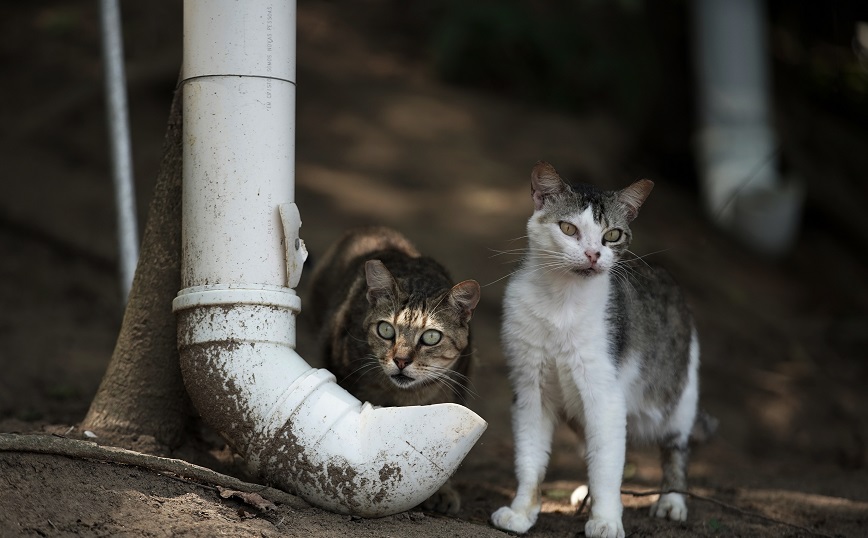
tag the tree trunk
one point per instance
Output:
(142, 395)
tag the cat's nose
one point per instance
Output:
(402, 362)
(592, 256)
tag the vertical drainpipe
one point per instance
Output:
(737, 150)
(119, 140)
(241, 258)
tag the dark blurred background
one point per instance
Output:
(428, 116)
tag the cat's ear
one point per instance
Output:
(465, 296)
(544, 181)
(380, 281)
(634, 196)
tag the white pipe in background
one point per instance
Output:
(242, 255)
(119, 140)
(737, 150)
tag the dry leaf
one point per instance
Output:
(253, 499)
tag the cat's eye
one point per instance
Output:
(431, 337)
(385, 330)
(612, 235)
(568, 228)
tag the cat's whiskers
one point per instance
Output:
(501, 278)
(549, 259)
(434, 310)
(369, 364)
(517, 238)
(546, 269)
(444, 378)
(561, 263)
(630, 271)
(535, 267)
(623, 276)
(524, 251)
(546, 255)
(641, 258)
(365, 368)
(357, 339)
(468, 384)
(510, 252)
(449, 384)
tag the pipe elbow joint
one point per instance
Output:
(354, 458)
(296, 427)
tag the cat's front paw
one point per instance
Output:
(507, 519)
(604, 528)
(670, 505)
(579, 496)
(446, 501)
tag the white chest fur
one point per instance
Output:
(555, 332)
(555, 329)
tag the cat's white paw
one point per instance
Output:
(578, 496)
(507, 519)
(670, 505)
(604, 528)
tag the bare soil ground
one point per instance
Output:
(380, 141)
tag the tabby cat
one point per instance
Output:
(393, 328)
(603, 340)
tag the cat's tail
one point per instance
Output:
(704, 427)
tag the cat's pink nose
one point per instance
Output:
(402, 362)
(592, 256)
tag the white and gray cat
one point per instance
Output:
(605, 342)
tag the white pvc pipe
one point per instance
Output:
(241, 258)
(119, 140)
(737, 150)
(737, 142)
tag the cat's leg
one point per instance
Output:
(446, 500)
(533, 426)
(579, 497)
(605, 427)
(674, 458)
(675, 449)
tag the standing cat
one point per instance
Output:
(607, 343)
(394, 330)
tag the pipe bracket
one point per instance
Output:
(296, 252)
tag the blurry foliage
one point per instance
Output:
(570, 54)
(632, 58)
(62, 392)
(816, 52)
(58, 20)
(629, 58)
(838, 80)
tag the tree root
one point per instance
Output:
(202, 476)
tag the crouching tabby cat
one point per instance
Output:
(393, 328)
(607, 343)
